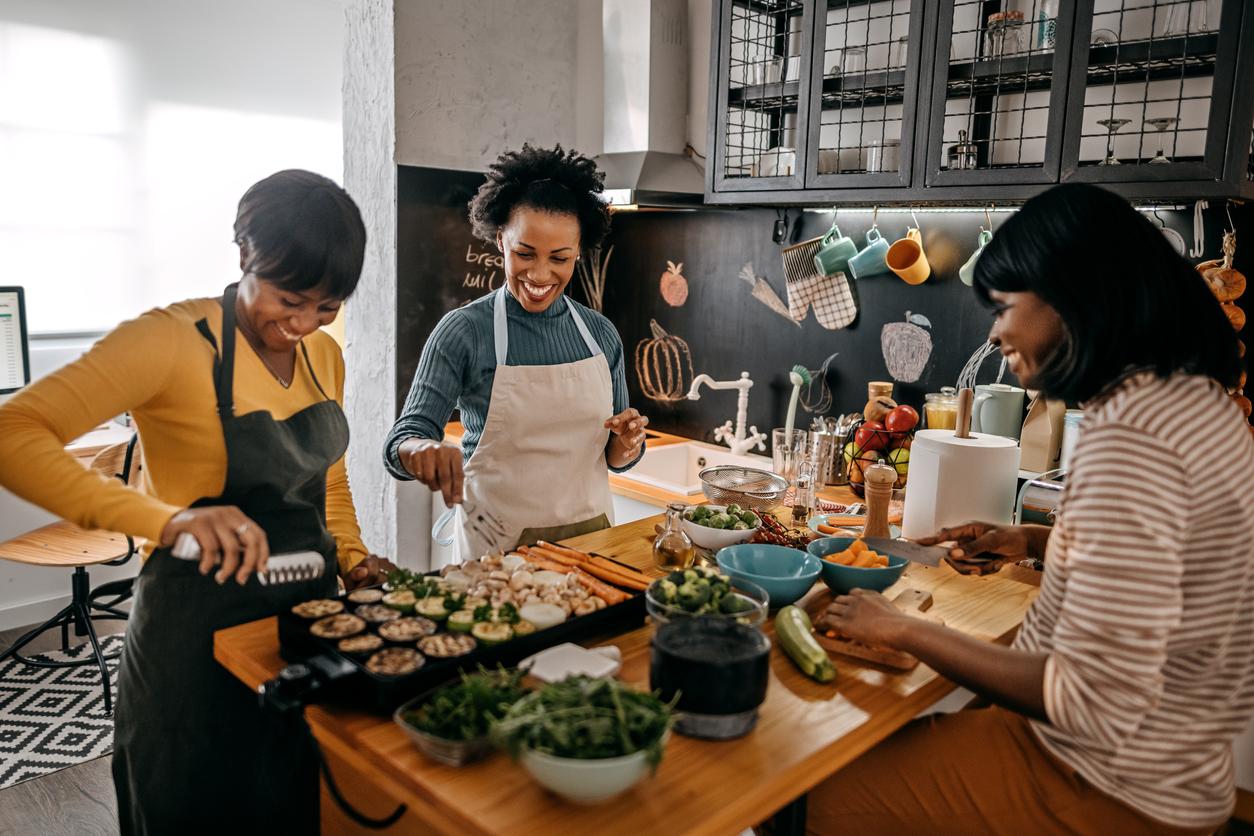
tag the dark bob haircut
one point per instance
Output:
(303, 232)
(547, 179)
(1126, 298)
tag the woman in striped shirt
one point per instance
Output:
(1115, 708)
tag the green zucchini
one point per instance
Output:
(461, 621)
(489, 633)
(796, 639)
(432, 607)
(401, 599)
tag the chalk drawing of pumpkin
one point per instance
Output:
(907, 346)
(674, 285)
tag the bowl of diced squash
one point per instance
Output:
(848, 564)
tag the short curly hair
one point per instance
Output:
(548, 179)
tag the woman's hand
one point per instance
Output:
(436, 465)
(226, 536)
(628, 429)
(370, 571)
(866, 616)
(982, 548)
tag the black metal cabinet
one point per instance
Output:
(843, 101)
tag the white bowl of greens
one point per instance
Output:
(586, 739)
(715, 527)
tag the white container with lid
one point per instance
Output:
(1070, 433)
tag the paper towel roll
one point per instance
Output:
(956, 480)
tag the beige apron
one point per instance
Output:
(539, 470)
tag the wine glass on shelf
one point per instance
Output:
(1161, 124)
(1112, 127)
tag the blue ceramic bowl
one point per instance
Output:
(843, 579)
(786, 574)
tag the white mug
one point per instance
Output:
(998, 410)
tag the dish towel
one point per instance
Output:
(835, 305)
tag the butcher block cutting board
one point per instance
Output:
(913, 602)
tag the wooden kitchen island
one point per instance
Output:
(806, 730)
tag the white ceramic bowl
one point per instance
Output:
(716, 538)
(586, 781)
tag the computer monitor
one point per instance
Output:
(14, 348)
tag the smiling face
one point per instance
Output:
(1027, 331)
(540, 250)
(277, 318)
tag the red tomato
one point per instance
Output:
(902, 419)
(870, 436)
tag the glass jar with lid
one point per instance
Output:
(964, 156)
(940, 409)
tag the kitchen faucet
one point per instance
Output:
(738, 440)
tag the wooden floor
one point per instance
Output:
(77, 800)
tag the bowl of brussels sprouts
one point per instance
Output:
(716, 526)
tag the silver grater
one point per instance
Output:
(280, 568)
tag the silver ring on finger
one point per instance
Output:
(241, 530)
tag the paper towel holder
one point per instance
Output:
(962, 427)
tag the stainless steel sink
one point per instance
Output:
(674, 468)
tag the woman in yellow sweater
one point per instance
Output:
(238, 404)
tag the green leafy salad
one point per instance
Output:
(466, 710)
(732, 518)
(582, 717)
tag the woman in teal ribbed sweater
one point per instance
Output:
(538, 378)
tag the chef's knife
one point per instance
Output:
(280, 568)
(927, 555)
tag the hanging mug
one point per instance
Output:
(834, 253)
(907, 259)
(870, 260)
(967, 271)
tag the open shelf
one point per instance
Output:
(1189, 56)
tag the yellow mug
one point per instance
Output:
(907, 259)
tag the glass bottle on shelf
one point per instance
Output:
(1047, 26)
(964, 156)
(1012, 40)
(673, 549)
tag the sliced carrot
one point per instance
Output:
(863, 561)
(857, 546)
(826, 529)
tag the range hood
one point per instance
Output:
(645, 46)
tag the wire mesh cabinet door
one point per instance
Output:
(761, 67)
(998, 98)
(1151, 90)
(865, 84)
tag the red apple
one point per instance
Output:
(870, 436)
(901, 419)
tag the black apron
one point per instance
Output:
(192, 751)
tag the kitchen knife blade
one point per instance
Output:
(280, 568)
(927, 555)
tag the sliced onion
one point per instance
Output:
(542, 615)
(546, 577)
(512, 561)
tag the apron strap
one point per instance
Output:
(500, 327)
(309, 366)
(224, 377)
(224, 410)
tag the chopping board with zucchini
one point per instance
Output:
(913, 602)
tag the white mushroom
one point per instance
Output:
(586, 607)
(512, 562)
(494, 584)
(566, 606)
(598, 602)
(498, 575)
(457, 580)
(520, 580)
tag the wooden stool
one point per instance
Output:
(64, 544)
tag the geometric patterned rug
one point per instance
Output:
(53, 718)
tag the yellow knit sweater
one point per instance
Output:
(160, 369)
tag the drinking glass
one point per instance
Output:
(786, 456)
(1112, 126)
(1161, 124)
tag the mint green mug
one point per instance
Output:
(998, 410)
(870, 260)
(967, 271)
(834, 253)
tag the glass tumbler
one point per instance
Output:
(787, 455)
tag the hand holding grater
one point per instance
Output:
(280, 568)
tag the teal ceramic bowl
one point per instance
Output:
(844, 579)
(786, 574)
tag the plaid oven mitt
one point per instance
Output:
(833, 298)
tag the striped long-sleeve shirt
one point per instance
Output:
(1146, 610)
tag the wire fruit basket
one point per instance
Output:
(749, 487)
(893, 448)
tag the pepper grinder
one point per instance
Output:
(880, 478)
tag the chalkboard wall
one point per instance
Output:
(441, 266)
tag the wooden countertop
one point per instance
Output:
(806, 731)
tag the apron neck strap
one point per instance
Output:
(500, 326)
(224, 382)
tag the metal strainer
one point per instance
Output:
(749, 487)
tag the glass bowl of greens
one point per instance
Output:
(586, 739)
(701, 591)
(717, 526)
(450, 724)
